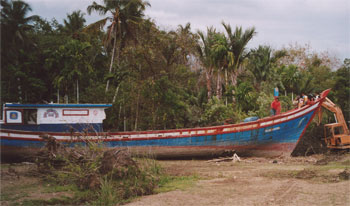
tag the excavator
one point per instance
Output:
(336, 135)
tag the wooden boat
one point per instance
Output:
(72, 124)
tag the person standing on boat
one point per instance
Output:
(275, 107)
(305, 99)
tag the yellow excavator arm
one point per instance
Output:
(339, 117)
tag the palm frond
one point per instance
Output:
(97, 26)
(102, 10)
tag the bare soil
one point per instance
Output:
(314, 180)
(260, 181)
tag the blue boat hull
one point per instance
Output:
(270, 140)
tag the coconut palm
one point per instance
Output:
(124, 16)
(74, 22)
(15, 25)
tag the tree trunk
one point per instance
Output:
(115, 93)
(66, 95)
(124, 116)
(218, 86)
(19, 90)
(77, 91)
(112, 59)
(58, 96)
(208, 75)
(120, 112)
(226, 85)
(234, 76)
(137, 109)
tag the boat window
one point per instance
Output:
(30, 116)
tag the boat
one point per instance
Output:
(24, 125)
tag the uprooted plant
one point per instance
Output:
(108, 176)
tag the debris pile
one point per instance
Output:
(89, 166)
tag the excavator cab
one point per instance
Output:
(335, 136)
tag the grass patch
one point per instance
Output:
(5, 166)
(51, 187)
(170, 183)
(53, 201)
(5, 196)
(346, 162)
(17, 192)
(333, 165)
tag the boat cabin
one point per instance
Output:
(54, 117)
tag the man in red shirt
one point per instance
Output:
(275, 107)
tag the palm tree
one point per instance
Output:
(74, 23)
(15, 24)
(237, 45)
(124, 16)
(204, 49)
(260, 64)
(186, 40)
(14, 20)
(221, 55)
(76, 60)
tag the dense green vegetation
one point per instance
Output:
(156, 79)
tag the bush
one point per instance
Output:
(216, 112)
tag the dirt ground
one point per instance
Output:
(302, 181)
(314, 180)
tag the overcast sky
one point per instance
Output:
(324, 24)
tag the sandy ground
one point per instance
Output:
(313, 180)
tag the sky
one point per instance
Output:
(322, 24)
